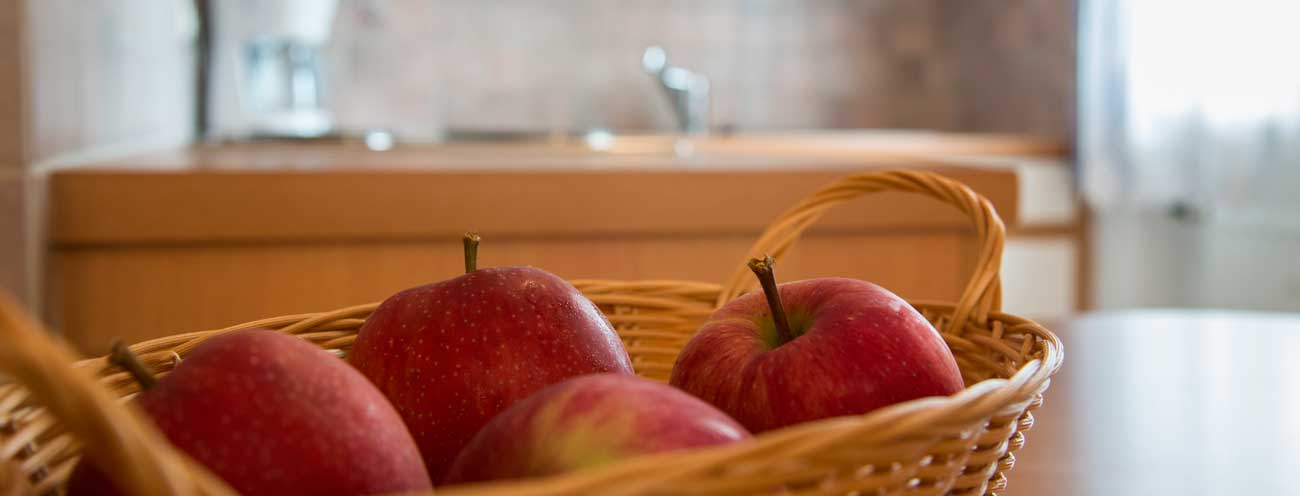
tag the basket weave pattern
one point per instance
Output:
(959, 445)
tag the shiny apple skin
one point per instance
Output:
(860, 348)
(451, 355)
(587, 422)
(272, 414)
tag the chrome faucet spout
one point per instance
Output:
(687, 91)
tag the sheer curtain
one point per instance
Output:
(1189, 150)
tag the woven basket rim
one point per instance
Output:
(303, 320)
(977, 401)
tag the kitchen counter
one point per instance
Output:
(302, 191)
(567, 152)
(259, 192)
(209, 236)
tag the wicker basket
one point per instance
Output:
(954, 445)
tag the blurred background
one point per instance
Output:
(169, 166)
(176, 165)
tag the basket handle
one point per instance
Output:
(145, 462)
(983, 292)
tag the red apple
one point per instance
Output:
(451, 355)
(814, 349)
(590, 421)
(272, 414)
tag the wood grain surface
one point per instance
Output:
(277, 193)
(138, 293)
(1169, 402)
(185, 241)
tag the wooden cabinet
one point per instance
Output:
(139, 253)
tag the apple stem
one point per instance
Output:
(122, 356)
(762, 268)
(471, 251)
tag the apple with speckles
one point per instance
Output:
(813, 349)
(451, 355)
(272, 414)
(590, 421)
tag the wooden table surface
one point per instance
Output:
(1169, 402)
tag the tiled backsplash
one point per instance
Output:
(971, 65)
(577, 64)
(101, 76)
(1012, 65)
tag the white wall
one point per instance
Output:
(107, 75)
(81, 81)
(1039, 276)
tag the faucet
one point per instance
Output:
(687, 91)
